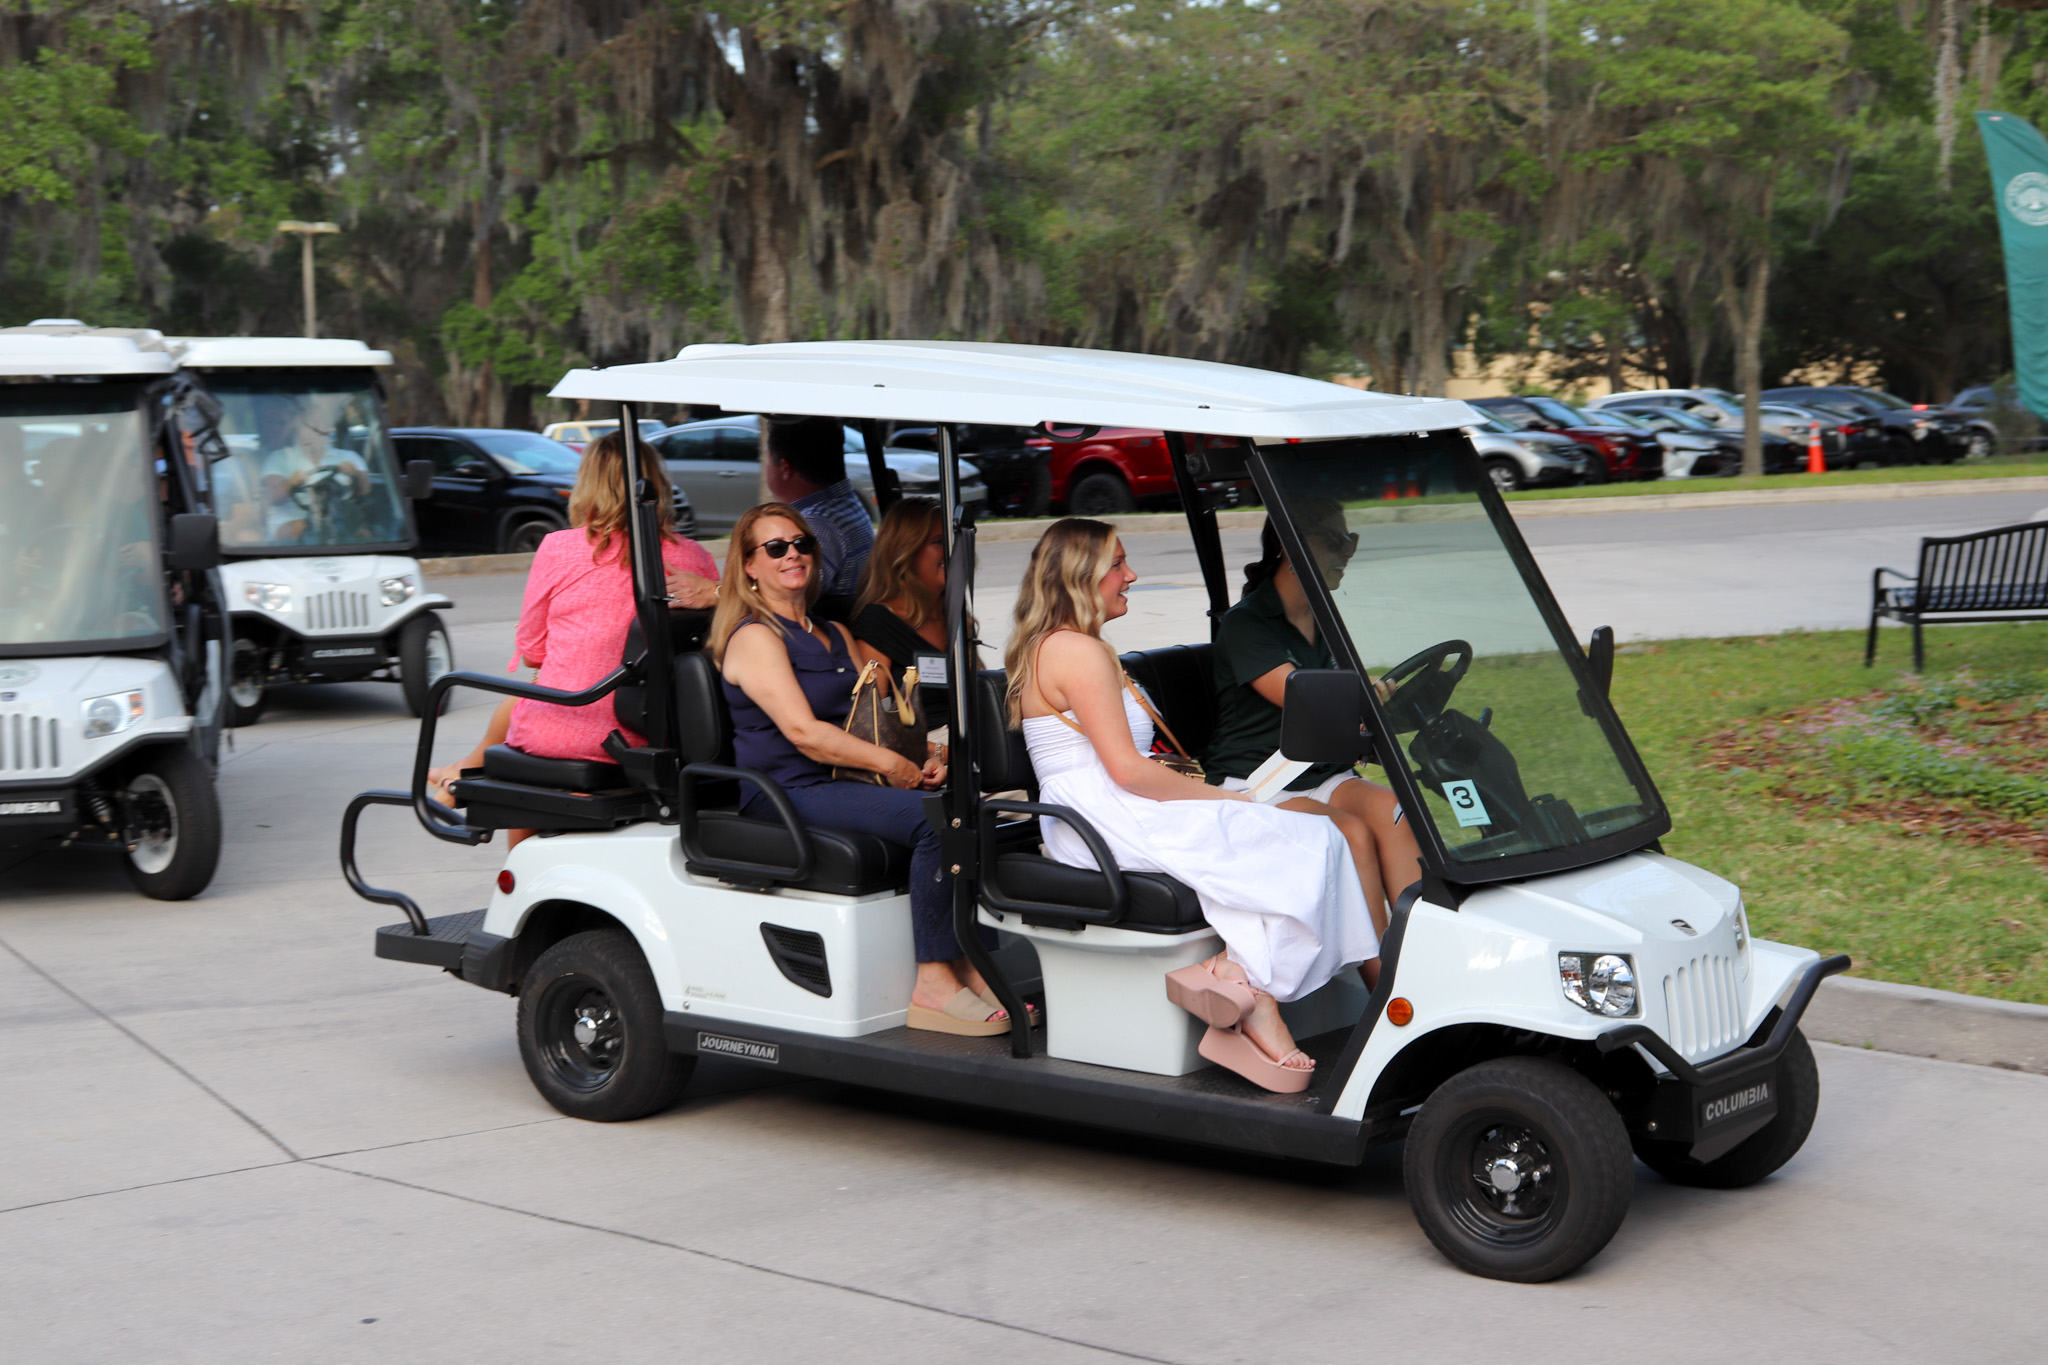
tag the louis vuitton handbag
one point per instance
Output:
(884, 713)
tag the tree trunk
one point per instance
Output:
(1749, 359)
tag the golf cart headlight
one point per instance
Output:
(268, 596)
(398, 589)
(1742, 940)
(110, 715)
(1602, 984)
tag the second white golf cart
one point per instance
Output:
(1557, 996)
(316, 519)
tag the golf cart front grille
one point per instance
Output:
(337, 610)
(1703, 1007)
(28, 743)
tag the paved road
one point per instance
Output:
(232, 1134)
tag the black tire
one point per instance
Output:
(1037, 492)
(590, 1031)
(424, 654)
(172, 810)
(1556, 1134)
(523, 538)
(1764, 1151)
(1102, 494)
(248, 690)
(1505, 473)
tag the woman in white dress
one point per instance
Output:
(1281, 887)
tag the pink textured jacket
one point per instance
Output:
(574, 621)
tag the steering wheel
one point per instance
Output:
(317, 479)
(1423, 683)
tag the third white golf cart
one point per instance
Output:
(316, 520)
(1556, 994)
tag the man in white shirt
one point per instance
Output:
(286, 470)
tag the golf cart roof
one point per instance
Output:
(962, 381)
(73, 350)
(199, 353)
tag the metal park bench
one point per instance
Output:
(1997, 575)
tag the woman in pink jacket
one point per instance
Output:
(578, 609)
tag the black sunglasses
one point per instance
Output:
(778, 547)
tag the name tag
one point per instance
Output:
(931, 670)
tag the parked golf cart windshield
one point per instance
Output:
(307, 466)
(1485, 707)
(78, 520)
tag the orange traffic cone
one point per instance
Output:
(1816, 461)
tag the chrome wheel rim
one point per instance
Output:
(156, 819)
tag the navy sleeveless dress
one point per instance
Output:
(827, 674)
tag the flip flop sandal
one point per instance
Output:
(1232, 1050)
(1216, 1001)
(966, 1014)
(1031, 1011)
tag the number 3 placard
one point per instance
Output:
(1466, 805)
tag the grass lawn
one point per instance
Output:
(1901, 820)
(1998, 467)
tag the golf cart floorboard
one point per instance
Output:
(1211, 1106)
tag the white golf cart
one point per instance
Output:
(1556, 994)
(111, 624)
(315, 519)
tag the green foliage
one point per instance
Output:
(58, 102)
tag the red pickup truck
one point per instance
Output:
(1120, 469)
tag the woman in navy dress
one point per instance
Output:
(789, 681)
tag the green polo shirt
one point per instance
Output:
(1256, 638)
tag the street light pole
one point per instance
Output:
(307, 232)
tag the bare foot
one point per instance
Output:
(1265, 1027)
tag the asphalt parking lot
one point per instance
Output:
(232, 1134)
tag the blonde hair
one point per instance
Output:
(598, 501)
(906, 529)
(739, 598)
(1062, 590)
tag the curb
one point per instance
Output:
(1919, 1022)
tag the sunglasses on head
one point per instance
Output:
(779, 547)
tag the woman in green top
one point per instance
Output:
(1267, 635)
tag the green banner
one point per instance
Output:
(2019, 185)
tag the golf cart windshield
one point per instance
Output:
(305, 464)
(78, 519)
(1493, 709)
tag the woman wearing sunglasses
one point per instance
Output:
(789, 681)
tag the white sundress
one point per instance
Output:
(1278, 885)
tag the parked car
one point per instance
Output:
(1847, 441)
(1929, 435)
(577, 435)
(2017, 426)
(497, 490)
(1533, 459)
(717, 462)
(1015, 462)
(1680, 432)
(1717, 407)
(1120, 469)
(1630, 452)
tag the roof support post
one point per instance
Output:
(650, 583)
(957, 815)
(888, 488)
(1202, 525)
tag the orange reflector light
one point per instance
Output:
(505, 881)
(1399, 1011)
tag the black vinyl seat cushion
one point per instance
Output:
(843, 862)
(507, 764)
(1159, 904)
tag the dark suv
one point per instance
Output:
(496, 490)
(1925, 435)
(1015, 462)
